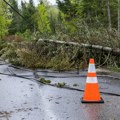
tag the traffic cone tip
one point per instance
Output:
(91, 61)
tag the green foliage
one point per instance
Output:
(43, 80)
(60, 61)
(62, 22)
(40, 55)
(97, 10)
(68, 7)
(27, 35)
(2, 45)
(21, 24)
(53, 13)
(5, 19)
(90, 11)
(28, 10)
(84, 21)
(8, 52)
(42, 19)
(61, 85)
(16, 19)
(27, 58)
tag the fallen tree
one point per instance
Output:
(102, 48)
(59, 55)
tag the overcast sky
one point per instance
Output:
(53, 2)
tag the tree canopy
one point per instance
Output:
(68, 17)
(5, 18)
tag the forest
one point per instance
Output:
(94, 22)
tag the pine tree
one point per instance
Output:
(15, 24)
(68, 7)
(28, 10)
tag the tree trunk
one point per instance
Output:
(109, 15)
(119, 17)
(115, 52)
(100, 7)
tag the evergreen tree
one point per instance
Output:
(28, 10)
(91, 11)
(68, 7)
(15, 24)
(103, 11)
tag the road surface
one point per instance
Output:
(22, 99)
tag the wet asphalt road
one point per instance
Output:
(22, 99)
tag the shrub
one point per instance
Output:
(27, 58)
(9, 52)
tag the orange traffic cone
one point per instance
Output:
(91, 93)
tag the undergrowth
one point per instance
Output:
(60, 57)
(42, 55)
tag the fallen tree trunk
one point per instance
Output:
(97, 47)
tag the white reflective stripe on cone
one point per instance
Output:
(91, 68)
(91, 80)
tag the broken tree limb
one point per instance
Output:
(97, 47)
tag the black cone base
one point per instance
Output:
(84, 101)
